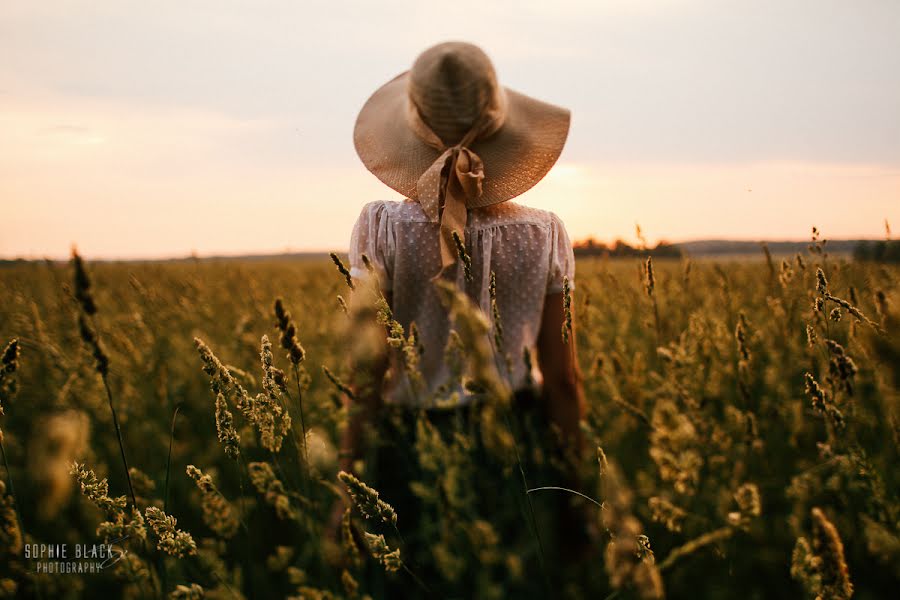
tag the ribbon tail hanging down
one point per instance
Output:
(445, 190)
(458, 173)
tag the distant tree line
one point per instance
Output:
(591, 247)
(880, 251)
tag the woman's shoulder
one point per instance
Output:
(513, 213)
(395, 210)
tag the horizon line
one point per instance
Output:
(326, 252)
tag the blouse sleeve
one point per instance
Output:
(562, 257)
(372, 236)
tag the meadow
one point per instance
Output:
(742, 424)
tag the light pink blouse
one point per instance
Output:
(528, 249)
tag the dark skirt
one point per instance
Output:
(457, 479)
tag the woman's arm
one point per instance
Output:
(563, 395)
(563, 398)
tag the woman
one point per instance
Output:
(459, 146)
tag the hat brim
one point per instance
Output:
(516, 157)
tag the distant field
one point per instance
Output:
(752, 438)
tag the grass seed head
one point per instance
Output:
(263, 479)
(218, 514)
(389, 559)
(169, 538)
(821, 282)
(367, 501)
(567, 310)
(463, 256)
(82, 284)
(342, 270)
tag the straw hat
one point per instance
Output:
(447, 135)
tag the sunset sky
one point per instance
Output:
(138, 129)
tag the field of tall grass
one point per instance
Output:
(743, 421)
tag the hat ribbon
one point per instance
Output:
(453, 180)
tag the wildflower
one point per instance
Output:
(228, 435)
(821, 566)
(10, 357)
(267, 413)
(351, 587)
(82, 285)
(347, 539)
(170, 539)
(786, 273)
(841, 366)
(567, 307)
(602, 461)
(385, 317)
(218, 513)
(675, 447)
(342, 270)
(821, 403)
(463, 256)
(495, 312)
(473, 329)
(740, 337)
(810, 335)
(285, 324)
(821, 282)
(389, 559)
(89, 336)
(143, 484)
(221, 379)
(409, 347)
(749, 505)
(649, 279)
(367, 501)
(769, 262)
(850, 309)
(10, 534)
(9, 363)
(338, 383)
(455, 354)
(101, 359)
(263, 479)
(121, 527)
(664, 511)
(367, 263)
(643, 548)
(183, 592)
(629, 561)
(97, 490)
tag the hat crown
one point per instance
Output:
(452, 84)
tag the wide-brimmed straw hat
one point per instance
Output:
(447, 135)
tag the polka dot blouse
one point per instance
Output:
(528, 250)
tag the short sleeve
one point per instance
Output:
(372, 237)
(562, 257)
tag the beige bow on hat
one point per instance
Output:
(453, 181)
(447, 135)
